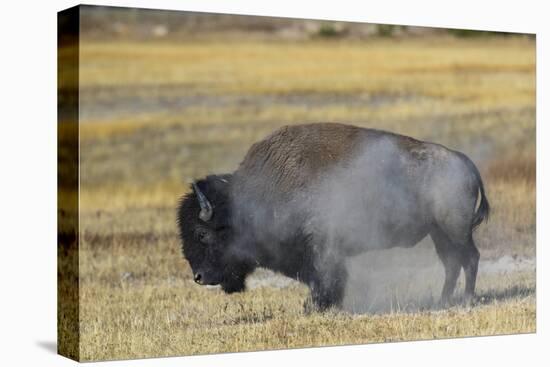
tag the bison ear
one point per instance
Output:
(206, 208)
(224, 179)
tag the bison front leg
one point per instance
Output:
(328, 285)
(234, 279)
(236, 283)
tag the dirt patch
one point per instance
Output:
(507, 265)
(409, 280)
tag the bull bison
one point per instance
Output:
(308, 196)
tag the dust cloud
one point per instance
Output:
(359, 209)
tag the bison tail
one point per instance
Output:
(482, 212)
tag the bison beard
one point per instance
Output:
(308, 196)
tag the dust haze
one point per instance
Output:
(360, 208)
(395, 280)
(357, 202)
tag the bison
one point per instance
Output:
(309, 196)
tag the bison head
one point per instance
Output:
(204, 222)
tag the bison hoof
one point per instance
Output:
(445, 303)
(469, 300)
(312, 306)
(233, 287)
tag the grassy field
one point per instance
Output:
(157, 114)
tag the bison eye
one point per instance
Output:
(203, 236)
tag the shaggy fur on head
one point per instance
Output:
(204, 244)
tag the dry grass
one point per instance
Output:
(452, 76)
(430, 67)
(140, 301)
(158, 114)
(519, 167)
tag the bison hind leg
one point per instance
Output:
(470, 261)
(456, 253)
(451, 259)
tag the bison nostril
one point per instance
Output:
(198, 277)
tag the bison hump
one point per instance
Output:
(293, 156)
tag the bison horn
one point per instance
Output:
(206, 207)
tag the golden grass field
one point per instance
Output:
(155, 115)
